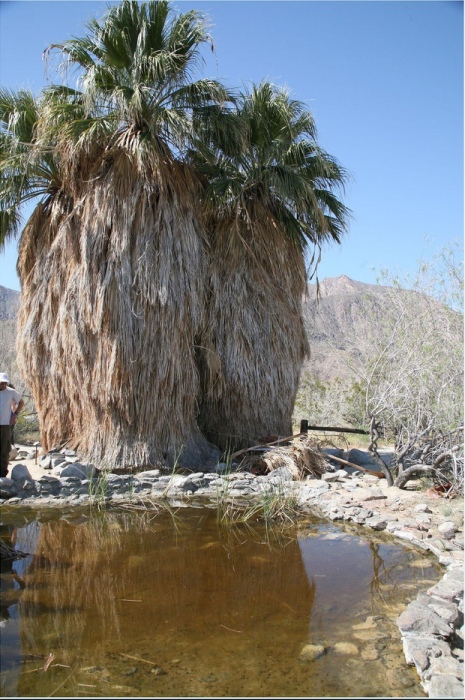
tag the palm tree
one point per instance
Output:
(112, 262)
(269, 194)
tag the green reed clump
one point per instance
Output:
(275, 505)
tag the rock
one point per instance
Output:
(422, 508)
(20, 472)
(450, 586)
(447, 530)
(365, 459)
(370, 653)
(445, 687)
(150, 474)
(346, 648)
(451, 559)
(82, 471)
(414, 536)
(421, 620)
(58, 461)
(376, 522)
(311, 652)
(280, 475)
(361, 516)
(418, 650)
(444, 608)
(370, 635)
(444, 665)
(330, 477)
(334, 513)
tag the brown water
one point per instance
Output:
(177, 605)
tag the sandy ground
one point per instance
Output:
(35, 470)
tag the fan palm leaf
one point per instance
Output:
(26, 172)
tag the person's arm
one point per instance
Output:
(16, 413)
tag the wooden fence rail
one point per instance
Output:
(305, 427)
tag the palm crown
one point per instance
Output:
(135, 94)
(135, 71)
(270, 165)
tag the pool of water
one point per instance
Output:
(177, 604)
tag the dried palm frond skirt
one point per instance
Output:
(302, 458)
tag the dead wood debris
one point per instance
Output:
(302, 458)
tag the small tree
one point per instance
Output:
(412, 370)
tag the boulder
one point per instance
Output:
(82, 471)
(20, 473)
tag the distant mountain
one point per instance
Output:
(9, 303)
(335, 320)
(9, 306)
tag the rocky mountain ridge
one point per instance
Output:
(336, 315)
(9, 303)
(9, 306)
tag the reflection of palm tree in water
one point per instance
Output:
(92, 580)
(11, 583)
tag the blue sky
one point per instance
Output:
(384, 81)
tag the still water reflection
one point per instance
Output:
(174, 604)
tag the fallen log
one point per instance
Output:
(264, 444)
(380, 475)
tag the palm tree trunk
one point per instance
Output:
(112, 299)
(254, 339)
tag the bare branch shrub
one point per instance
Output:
(406, 372)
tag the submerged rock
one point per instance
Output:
(311, 652)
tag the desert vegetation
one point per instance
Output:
(404, 383)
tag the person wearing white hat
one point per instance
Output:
(11, 404)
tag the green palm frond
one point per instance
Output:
(136, 69)
(270, 164)
(28, 170)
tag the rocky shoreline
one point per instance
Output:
(431, 626)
